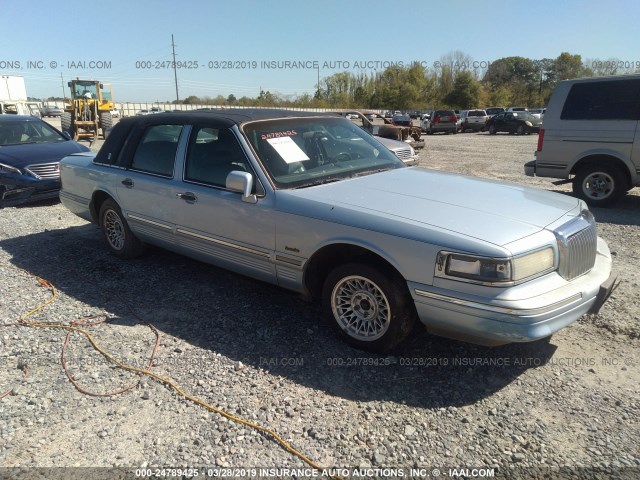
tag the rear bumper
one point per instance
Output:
(493, 322)
(530, 168)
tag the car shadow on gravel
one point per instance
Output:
(261, 325)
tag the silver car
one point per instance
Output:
(314, 204)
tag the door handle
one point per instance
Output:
(187, 197)
(127, 182)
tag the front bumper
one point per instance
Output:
(19, 189)
(494, 322)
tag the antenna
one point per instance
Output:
(175, 73)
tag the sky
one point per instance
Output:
(241, 47)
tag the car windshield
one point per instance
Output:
(477, 113)
(402, 118)
(301, 152)
(26, 132)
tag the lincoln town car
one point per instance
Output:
(314, 204)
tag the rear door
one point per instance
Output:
(146, 190)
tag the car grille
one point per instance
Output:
(577, 245)
(44, 170)
(403, 153)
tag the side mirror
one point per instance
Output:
(242, 182)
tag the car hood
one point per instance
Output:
(487, 210)
(22, 155)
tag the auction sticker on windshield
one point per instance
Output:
(288, 149)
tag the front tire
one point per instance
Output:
(367, 308)
(116, 232)
(66, 123)
(599, 185)
(492, 130)
(520, 130)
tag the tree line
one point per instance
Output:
(455, 83)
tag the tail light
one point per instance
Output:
(540, 140)
(454, 118)
(436, 119)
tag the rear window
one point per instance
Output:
(477, 113)
(444, 113)
(614, 100)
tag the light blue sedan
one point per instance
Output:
(314, 204)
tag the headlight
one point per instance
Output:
(478, 269)
(529, 124)
(9, 169)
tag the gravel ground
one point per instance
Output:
(565, 406)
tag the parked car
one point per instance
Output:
(591, 138)
(474, 120)
(51, 111)
(314, 204)
(443, 121)
(517, 109)
(513, 122)
(402, 120)
(30, 152)
(402, 150)
(491, 111)
(537, 112)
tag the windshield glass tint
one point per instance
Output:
(299, 152)
(17, 133)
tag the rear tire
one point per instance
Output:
(368, 308)
(116, 232)
(106, 122)
(600, 185)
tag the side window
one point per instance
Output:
(156, 152)
(213, 153)
(615, 100)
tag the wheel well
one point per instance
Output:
(329, 257)
(606, 160)
(96, 202)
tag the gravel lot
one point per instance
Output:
(259, 352)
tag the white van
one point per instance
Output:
(591, 138)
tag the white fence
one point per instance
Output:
(129, 109)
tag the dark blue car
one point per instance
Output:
(30, 154)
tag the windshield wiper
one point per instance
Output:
(321, 181)
(369, 172)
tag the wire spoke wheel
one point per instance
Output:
(361, 308)
(114, 230)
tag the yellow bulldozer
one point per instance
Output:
(89, 110)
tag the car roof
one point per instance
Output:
(25, 118)
(228, 117)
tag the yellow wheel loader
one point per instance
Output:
(89, 110)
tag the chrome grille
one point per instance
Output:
(577, 244)
(403, 153)
(44, 170)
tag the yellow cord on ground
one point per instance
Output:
(149, 373)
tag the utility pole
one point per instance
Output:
(175, 72)
(64, 93)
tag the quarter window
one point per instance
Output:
(156, 153)
(614, 100)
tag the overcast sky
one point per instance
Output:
(240, 47)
